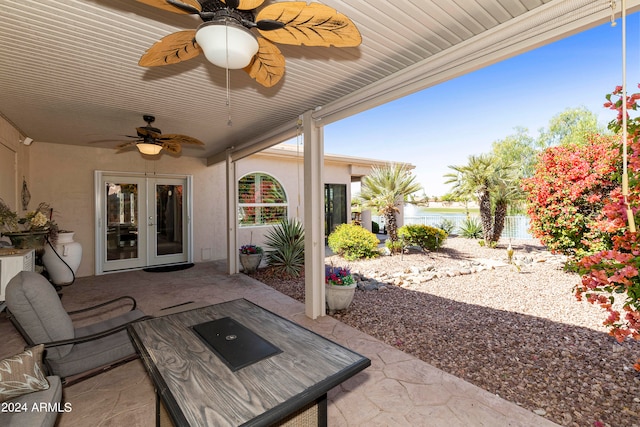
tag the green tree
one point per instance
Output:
(385, 189)
(519, 149)
(494, 183)
(571, 127)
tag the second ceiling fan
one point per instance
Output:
(150, 140)
(226, 39)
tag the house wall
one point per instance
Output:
(289, 172)
(63, 176)
(14, 163)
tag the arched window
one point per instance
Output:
(261, 200)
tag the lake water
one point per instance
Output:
(515, 227)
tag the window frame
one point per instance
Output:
(257, 187)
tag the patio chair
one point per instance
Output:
(35, 309)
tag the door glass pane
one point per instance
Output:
(335, 206)
(169, 219)
(122, 221)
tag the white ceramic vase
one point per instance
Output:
(63, 266)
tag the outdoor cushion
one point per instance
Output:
(87, 355)
(38, 314)
(36, 306)
(50, 398)
(22, 374)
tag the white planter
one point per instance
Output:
(62, 266)
(250, 262)
(339, 297)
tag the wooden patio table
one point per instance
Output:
(199, 388)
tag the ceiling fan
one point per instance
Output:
(151, 141)
(226, 38)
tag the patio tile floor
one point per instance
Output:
(397, 390)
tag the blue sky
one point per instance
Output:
(443, 125)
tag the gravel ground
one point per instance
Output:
(519, 334)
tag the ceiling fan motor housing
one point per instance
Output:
(214, 10)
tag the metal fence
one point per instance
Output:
(515, 226)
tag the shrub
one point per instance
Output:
(353, 242)
(610, 278)
(375, 227)
(471, 228)
(285, 243)
(394, 247)
(567, 193)
(447, 225)
(427, 237)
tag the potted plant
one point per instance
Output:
(340, 287)
(250, 257)
(28, 231)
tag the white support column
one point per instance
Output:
(313, 217)
(232, 215)
(365, 217)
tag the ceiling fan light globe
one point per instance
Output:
(149, 149)
(234, 53)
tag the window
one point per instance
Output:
(261, 200)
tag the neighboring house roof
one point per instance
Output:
(360, 166)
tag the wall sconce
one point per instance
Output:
(27, 141)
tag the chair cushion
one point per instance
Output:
(96, 353)
(36, 418)
(37, 308)
(22, 374)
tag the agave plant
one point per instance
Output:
(285, 247)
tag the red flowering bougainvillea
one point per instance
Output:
(610, 277)
(566, 194)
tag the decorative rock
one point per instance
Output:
(415, 275)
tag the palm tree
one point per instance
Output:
(493, 183)
(385, 189)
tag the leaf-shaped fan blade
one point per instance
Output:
(269, 25)
(171, 49)
(176, 6)
(145, 131)
(179, 139)
(267, 66)
(310, 25)
(126, 146)
(172, 147)
(243, 4)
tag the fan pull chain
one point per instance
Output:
(229, 122)
(228, 78)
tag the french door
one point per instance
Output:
(335, 207)
(141, 221)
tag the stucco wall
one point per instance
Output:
(63, 175)
(14, 164)
(289, 172)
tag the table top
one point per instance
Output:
(198, 388)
